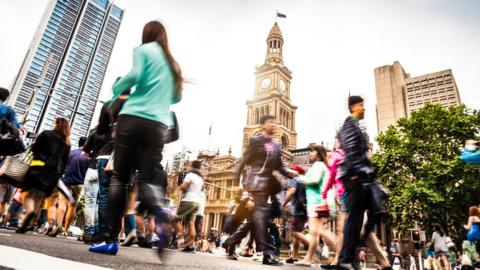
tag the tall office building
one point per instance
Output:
(65, 65)
(438, 87)
(398, 94)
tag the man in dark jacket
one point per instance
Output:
(357, 174)
(263, 157)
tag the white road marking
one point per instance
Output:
(21, 259)
(5, 234)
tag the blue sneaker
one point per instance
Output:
(105, 248)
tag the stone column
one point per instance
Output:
(206, 216)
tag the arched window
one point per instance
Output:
(257, 117)
(268, 110)
(281, 116)
(288, 120)
(284, 142)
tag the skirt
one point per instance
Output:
(41, 178)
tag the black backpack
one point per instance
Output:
(10, 141)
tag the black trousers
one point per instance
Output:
(138, 146)
(234, 240)
(360, 199)
(261, 215)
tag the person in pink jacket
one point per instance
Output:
(336, 157)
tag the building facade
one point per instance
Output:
(64, 68)
(438, 87)
(398, 94)
(219, 172)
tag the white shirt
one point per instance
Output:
(194, 192)
(201, 206)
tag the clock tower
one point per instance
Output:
(272, 96)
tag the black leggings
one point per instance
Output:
(138, 146)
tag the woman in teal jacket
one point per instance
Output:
(141, 128)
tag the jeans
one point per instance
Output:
(103, 180)
(138, 146)
(90, 189)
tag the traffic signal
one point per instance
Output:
(415, 234)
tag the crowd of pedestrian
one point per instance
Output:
(117, 169)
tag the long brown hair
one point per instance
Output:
(474, 211)
(321, 152)
(62, 129)
(155, 31)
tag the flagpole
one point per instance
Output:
(276, 16)
(209, 137)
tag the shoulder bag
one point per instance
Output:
(14, 169)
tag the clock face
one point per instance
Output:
(265, 83)
(283, 85)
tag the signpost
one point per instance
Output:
(418, 238)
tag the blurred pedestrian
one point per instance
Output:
(297, 198)
(192, 188)
(50, 155)
(143, 123)
(317, 208)
(73, 179)
(473, 224)
(263, 157)
(440, 246)
(363, 195)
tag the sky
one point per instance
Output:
(331, 47)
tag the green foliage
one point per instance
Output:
(80, 208)
(419, 164)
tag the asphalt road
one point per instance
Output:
(127, 258)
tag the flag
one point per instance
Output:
(280, 15)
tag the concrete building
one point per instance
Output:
(65, 64)
(399, 94)
(438, 87)
(389, 83)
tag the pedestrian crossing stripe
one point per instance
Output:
(21, 259)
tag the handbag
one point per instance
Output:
(14, 169)
(322, 210)
(171, 133)
(376, 197)
(109, 166)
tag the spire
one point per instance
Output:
(230, 151)
(274, 45)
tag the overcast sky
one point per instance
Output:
(332, 48)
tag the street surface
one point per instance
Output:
(42, 252)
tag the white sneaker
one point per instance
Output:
(304, 263)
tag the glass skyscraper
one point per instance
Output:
(65, 65)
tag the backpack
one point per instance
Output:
(10, 141)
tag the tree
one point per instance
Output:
(420, 166)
